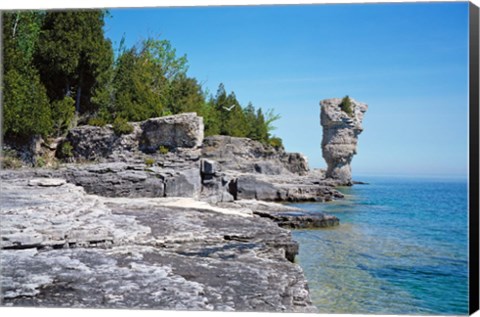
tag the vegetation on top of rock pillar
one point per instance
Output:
(346, 106)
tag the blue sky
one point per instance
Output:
(408, 62)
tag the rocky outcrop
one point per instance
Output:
(174, 133)
(178, 131)
(340, 135)
(64, 248)
(249, 156)
(289, 217)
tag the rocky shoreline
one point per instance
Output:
(161, 218)
(64, 248)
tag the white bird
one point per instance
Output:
(229, 108)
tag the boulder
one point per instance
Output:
(250, 187)
(185, 183)
(182, 130)
(340, 136)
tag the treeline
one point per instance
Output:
(60, 71)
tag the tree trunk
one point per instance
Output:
(17, 19)
(77, 103)
(79, 92)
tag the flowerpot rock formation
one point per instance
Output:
(340, 135)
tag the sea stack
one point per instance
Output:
(341, 120)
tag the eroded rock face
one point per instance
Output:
(340, 135)
(181, 130)
(178, 132)
(100, 143)
(249, 156)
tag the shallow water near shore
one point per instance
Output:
(401, 248)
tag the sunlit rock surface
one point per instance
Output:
(340, 137)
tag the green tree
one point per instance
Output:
(211, 118)
(63, 113)
(25, 103)
(270, 118)
(185, 95)
(135, 97)
(261, 127)
(150, 81)
(235, 124)
(72, 56)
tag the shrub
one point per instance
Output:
(63, 114)
(346, 106)
(65, 150)
(9, 160)
(97, 122)
(276, 142)
(163, 150)
(149, 161)
(121, 126)
(40, 162)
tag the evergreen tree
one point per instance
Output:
(261, 127)
(72, 56)
(235, 124)
(185, 95)
(251, 121)
(136, 94)
(25, 104)
(150, 81)
(211, 119)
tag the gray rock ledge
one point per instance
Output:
(64, 248)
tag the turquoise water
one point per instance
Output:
(401, 248)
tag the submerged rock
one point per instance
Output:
(340, 136)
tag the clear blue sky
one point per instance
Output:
(408, 62)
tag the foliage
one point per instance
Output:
(346, 106)
(59, 66)
(276, 142)
(9, 160)
(185, 95)
(121, 126)
(149, 161)
(97, 122)
(63, 113)
(40, 162)
(224, 115)
(271, 117)
(72, 55)
(65, 150)
(25, 104)
(150, 81)
(211, 118)
(163, 150)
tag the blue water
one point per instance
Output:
(401, 248)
